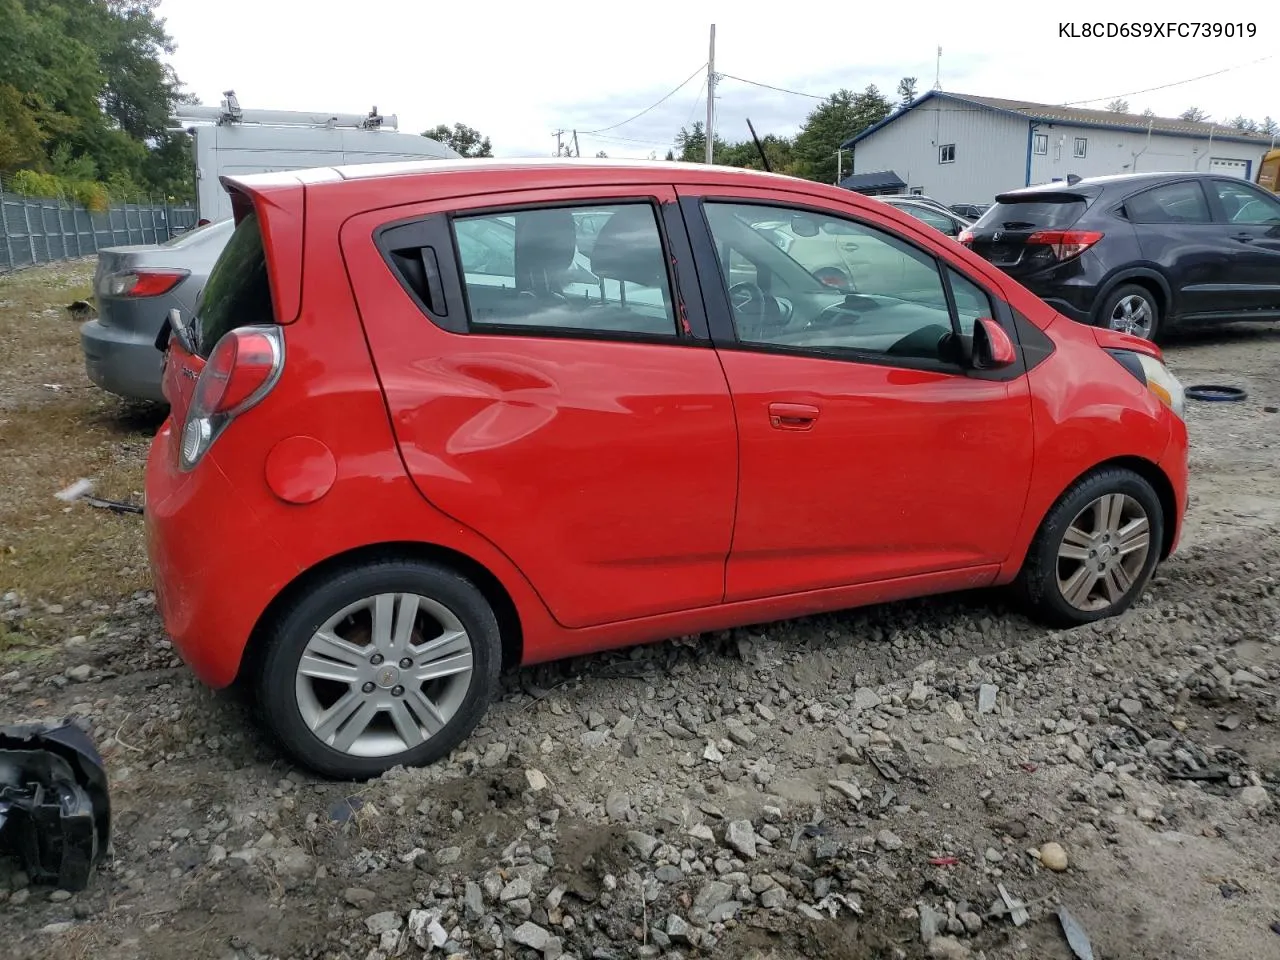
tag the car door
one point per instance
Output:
(867, 452)
(1249, 219)
(1174, 226)
(584, 428)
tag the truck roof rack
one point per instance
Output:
(229, 111)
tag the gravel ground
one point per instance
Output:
(874, 784)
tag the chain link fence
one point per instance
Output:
(35, 230)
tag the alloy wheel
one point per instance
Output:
(1103, 552)
(1133, 315)
(384, 675)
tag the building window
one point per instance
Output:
(1040, 145)
(917, 191)
(947, 153)
(1082, 145)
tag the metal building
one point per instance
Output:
(959, 148)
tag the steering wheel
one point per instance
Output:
(749, 305)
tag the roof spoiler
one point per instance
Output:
(1042, 196)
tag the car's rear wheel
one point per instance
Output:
(1095, 551)
(1131, 309)
(385, 664)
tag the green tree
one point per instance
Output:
(1118, 105)
(842, 115)
(1149, 113)
(468, 141)
(691, 144)
(1268, 126)
(906, 90)
(1242, 122)
(1194, 114)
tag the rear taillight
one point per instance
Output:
(966, 236)
(1065, 244)
(140, 283)
(240, 372)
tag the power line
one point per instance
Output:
(651, 106)
(1166, 86)
(769, 86)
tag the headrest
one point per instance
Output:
(628, 248)
(546, 241)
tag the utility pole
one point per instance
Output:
(839, 165)
(711, 96)
(559, 148)
(937, 71)
(577, 151)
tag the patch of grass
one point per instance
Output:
(56, 427)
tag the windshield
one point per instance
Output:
(238, 293)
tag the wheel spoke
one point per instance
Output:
(1077, 538)
(357, 725)
(447, 654)
(406, 724)
(427, 713)
(406, 617)
(1110, 509)
(1077, 589)
(330, 645)
(1117, 582)
(328, 722)
(320, 668)
(1134, 536)
(384, 616)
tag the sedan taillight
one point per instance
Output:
(1065, 244)
(140, 283)
(239, 374)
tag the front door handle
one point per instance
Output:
(792, 416)
(1244, 237)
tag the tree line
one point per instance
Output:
(1266, 126)
(85, 101)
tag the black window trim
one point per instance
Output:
(720, 311)
(689, 315)
(1122, 208)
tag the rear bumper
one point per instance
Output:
(212, 580)
(122, 362)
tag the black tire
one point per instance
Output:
(1127, 292)
(277, 685)
(1038, 583)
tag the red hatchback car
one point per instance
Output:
(435, 419)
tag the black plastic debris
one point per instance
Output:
(55, 810)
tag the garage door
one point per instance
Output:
(1232, 168)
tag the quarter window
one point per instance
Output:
(947, 153)
(837, 287)
(528, 270)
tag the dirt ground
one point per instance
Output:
(859, 785)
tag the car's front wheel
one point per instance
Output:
(384, 664)
(1131, 309)
(1095, 551)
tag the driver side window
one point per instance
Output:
(832, 286)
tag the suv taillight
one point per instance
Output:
(1065, 244)
(240, 372)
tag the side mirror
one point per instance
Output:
(804, 226)
(992, 348)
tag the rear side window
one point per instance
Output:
(1032, 215)
(238, 292)
(527, 270)
(1172, 203)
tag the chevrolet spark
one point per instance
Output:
(417, 435)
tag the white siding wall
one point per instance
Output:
(991, 152)
(1111, 151)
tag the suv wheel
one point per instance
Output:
(387, 664)
(1095, 551)
(1131, 309)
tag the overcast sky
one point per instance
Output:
(518, 75)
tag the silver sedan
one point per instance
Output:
(135, 288)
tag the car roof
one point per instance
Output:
(1091, 186)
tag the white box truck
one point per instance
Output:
(230, 141)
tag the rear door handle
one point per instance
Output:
(792, 416)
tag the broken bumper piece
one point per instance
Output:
(55, 812)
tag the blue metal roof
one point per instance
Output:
(882, 180)
(1073, 116)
